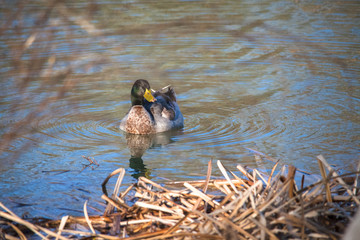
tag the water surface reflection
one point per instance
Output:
(138, 144)
(281, 77)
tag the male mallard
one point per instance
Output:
(151, 111)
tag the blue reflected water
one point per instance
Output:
(280, 77)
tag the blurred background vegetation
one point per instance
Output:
(33, 33)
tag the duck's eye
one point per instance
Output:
(148, 96)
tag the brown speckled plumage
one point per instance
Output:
(139, 121)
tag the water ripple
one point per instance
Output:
(230, 130)
(68, 129)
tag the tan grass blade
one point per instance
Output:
(356, 182)
(200, 194)
(271, 175)
(223, 171)
(322, 159)
(118, 182)
(208, 175)
(119, 170)
(16, 229)
(62, 225)
(158, 208)
(34, 228)
(246, 174)
(325, 180)
(153, 183)
(291, 177)
(87, 218)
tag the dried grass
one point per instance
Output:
(248, 207)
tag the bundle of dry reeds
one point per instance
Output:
(254, 206)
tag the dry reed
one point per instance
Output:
(254, 206)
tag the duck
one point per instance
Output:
(152, 111)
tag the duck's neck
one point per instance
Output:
(136, 96)
(136, 101)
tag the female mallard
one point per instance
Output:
(151, 111)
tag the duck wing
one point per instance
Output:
(165, 110)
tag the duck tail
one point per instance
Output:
(171, 94)
(167, 92)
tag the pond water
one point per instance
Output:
(279, 77)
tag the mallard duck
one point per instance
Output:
(152, 111)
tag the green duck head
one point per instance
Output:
(141, 92)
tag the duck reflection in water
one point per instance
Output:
(138, 144)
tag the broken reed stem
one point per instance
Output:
(271, 174)
(62, 225)
(208, 175)
(326, 180)
(291, 177)
(322, 159)
(224, 172)
(34, 228)
(87, 218)
(103, 185)
(152, 183)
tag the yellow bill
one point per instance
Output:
(148, 96)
